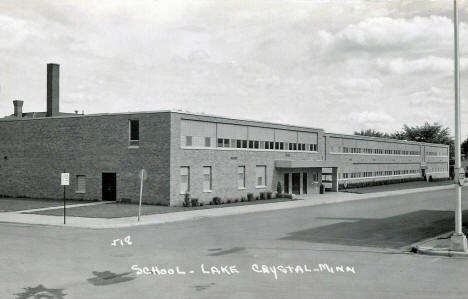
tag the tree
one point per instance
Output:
(464, 147)
(431, 133)
(372, 133)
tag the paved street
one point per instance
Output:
(355, 249)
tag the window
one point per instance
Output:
(134, 131)
(184, 179)
(244, 143)
(188, 140)
(256, 144)
(206, 178)
(80, 184)
(241, 177)
(226, 142)
(239, 143)
(220, 142)
(251, 143)
(207, 142)
(260, 172)
(277, 146)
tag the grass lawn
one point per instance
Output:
(117, 210)
(18, 204)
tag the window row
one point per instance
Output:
(207, 184)
(435, 153)
(377, 151)
(366, 174)
(248, 144)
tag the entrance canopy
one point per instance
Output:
(303, 164)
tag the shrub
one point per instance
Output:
(216, 200)
(202, 204)
(288, 196)
(228, 201)
(186, 200)
(269, 195)
(194, 202)
(257, 198)
(243, 199)
(279, 188)
(249, 196)
(236, 200)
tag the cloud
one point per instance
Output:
(361, 84)
(426, 65)
(370, 117)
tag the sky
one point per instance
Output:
(340, 65)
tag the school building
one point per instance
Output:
(203, 155)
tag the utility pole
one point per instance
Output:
(458, 239)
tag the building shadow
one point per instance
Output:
(392, 232)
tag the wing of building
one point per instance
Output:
(205, 156)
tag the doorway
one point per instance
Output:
(109, 186)
(304, 183)
(286, 183)
(296, 183)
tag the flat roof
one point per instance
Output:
(9, 118)
(372, 138)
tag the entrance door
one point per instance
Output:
(109, 186)
(286, 183)
(296, 183)
(304, 183)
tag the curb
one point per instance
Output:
(442, 252)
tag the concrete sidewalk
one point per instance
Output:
(438, 246)
(97, 223)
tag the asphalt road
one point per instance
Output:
(352, 250)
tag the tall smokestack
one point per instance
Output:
(18, 112)
(53, 77)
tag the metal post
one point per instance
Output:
(64, 204)
(458, 239)
(141, 194)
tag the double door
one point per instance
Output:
(294, 185)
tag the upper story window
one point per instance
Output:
(207, 142)
(134, 131)
(188, 141)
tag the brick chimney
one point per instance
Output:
(18, 112)
(53, 77)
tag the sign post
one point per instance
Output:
(64, 181)
(143, 177)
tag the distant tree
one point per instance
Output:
(372, 133)
(464, 147)
(431, 133)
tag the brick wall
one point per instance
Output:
(34, 152)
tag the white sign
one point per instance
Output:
(65, 179)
